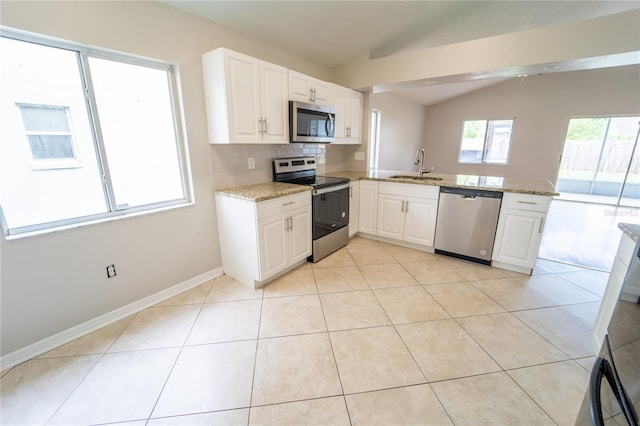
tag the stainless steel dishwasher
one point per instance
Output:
(467, 222)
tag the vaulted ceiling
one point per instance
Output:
(334, 33)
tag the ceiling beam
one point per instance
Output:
(616, 37)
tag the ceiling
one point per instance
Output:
(334, 33)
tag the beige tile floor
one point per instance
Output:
(373, 334)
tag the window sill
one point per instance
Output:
(109, 218)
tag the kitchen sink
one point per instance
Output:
(415, 177)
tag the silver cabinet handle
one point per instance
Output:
(541, 222)
(266, 126)
(527, 202)
(402, 208)
(348, 131)
(288, 204)
(406, 209)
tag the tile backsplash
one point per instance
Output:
(229, 163)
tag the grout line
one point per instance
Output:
(175, 362)
(255, 359)
(100, 358)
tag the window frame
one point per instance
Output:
(83, 53)
(485, 144)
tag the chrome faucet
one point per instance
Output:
(420, 159)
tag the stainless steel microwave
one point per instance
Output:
(311, 123)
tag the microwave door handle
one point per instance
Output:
(328, 124)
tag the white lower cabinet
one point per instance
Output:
(407, 212)
(284, 240)
(354, 207)
(612, 290)
(367, 214)
(519, 231)
(259, 241)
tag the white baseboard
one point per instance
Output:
(49, 343)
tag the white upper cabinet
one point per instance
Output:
(246, 98)
(304, 88)
(348, 104)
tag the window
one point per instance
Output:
(86, 134)
(374, 139)
(601, 161)
(48, 132)
(485, 141)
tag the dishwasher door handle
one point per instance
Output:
(469, 197)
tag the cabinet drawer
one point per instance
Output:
(409, 190)
(535, 203)
(282, 204)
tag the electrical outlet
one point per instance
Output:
(359, 156)
(111, 271)
(252, 163)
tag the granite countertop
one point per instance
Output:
(264, 191)
(270, 190)
(631, 229)
(490, 183)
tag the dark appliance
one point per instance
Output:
(311, 123)
(330, 203)
(618, 362)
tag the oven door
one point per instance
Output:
(330, 209)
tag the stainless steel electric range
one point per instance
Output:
(330, 201)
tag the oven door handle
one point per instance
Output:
(602, 369)
(330, 189)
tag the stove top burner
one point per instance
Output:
(302, 171)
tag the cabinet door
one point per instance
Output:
(391, 216)
(341, 104)
(274, 102)
(355, 117)
(300, 235)
(321, 92)
(368, 218)
(299, 87)
(354, 204)
(272, 244)
(243, 98)
(420, 220)
(518, 237)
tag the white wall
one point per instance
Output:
(55, 281)
(542, 106)
(401, 131)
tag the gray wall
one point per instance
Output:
(52, 282)
(401, 131)
(542, 106)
